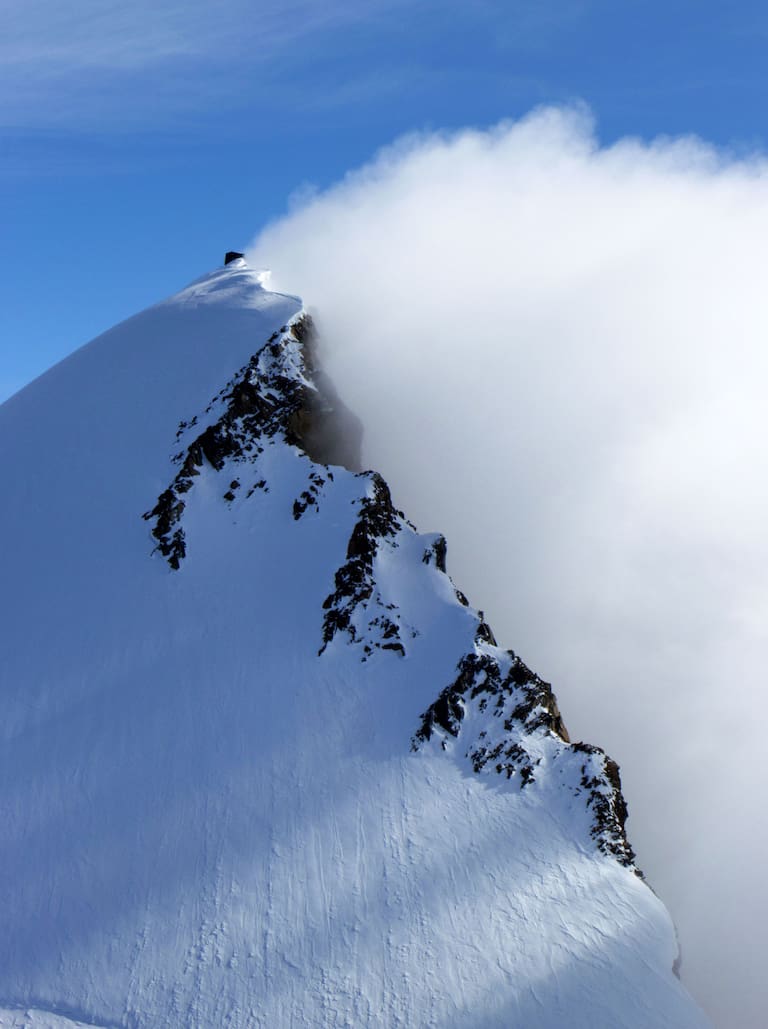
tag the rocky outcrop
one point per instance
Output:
(355, 593)
(601, 782)
(481, 678)
(516, 727)
(279, 393)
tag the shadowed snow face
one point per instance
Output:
(559, 355)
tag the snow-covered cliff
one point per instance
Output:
(262, 763)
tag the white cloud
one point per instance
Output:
(559, 353)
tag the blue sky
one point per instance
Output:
(141, 141)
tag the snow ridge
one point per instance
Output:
(504, 717)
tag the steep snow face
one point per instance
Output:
(262, 764)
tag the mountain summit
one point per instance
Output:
(263, 764)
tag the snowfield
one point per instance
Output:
(217, 808)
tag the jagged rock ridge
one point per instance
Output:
(268, 397)
(517, 724)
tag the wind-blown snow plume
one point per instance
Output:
(558, 352)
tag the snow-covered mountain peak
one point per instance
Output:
(235, 284)
(264, 765)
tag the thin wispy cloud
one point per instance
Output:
(47, 37)
(558, 352)
(108, 64)
(52, 58)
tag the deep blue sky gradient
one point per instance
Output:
(136, 147)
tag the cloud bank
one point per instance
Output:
(559, 352)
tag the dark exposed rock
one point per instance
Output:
(310, 496)
(436, 553)
(480, 676)
(601, 780)
(261, 484)
(170, 537)
(354, 582)
(231, 255)
(520, 709)
(260, 403)
(484, 633)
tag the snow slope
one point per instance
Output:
(30, 1018)
(262, 765)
